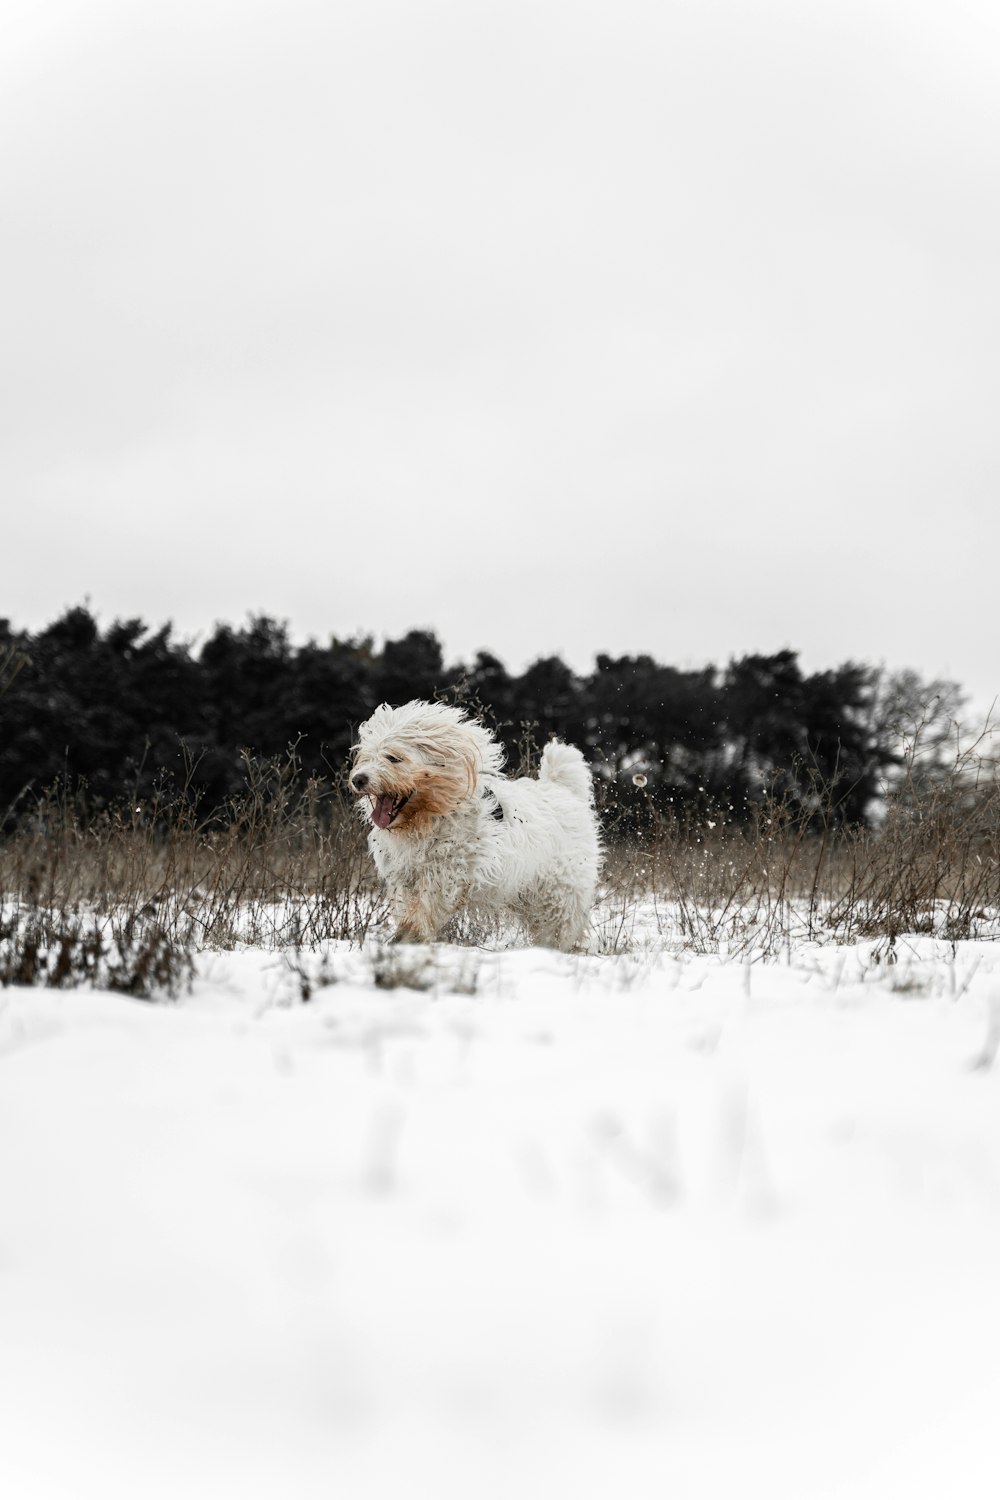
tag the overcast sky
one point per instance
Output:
(553, 326)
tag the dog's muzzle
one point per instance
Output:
(386, 806)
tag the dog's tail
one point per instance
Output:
(564, 765)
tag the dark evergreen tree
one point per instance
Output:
(546, 697)
(247, 675)
(412, 667)
(331, 691)
(121, 710)
(762, 700)
(842, 758)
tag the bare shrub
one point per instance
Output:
(282, 864)
(63, 950)
(934, 863)
(790, 870)
(124, 898)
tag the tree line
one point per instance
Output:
(126, 709)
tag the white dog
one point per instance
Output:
(448, 830)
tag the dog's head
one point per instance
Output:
(414, 763)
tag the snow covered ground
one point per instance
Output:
(655, 1225)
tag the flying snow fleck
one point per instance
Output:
(638, 779)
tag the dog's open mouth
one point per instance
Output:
(387, 808)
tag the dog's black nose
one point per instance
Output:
(359, 782)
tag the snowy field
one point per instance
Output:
(648, 1225)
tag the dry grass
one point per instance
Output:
(126, 899)
(932, 865)
(282, 865)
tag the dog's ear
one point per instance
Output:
(470, 757)
(466, 744)
(457, 752)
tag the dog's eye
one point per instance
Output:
(393, 760)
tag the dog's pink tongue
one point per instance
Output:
(382, 811)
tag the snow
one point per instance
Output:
(644, 1225)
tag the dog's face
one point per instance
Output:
(414, 763)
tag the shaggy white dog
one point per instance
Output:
(449, 831)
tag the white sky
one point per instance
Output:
(553, 326)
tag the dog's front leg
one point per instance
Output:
(429, 891)
(419, 918)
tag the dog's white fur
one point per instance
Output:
(450, 831)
